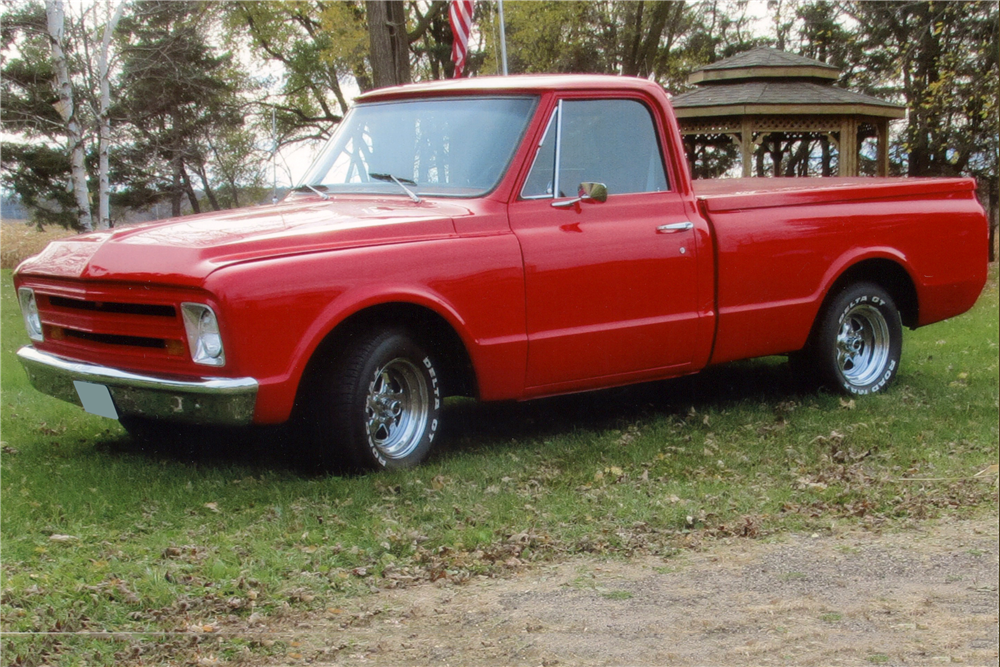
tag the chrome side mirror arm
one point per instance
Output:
(588, 192)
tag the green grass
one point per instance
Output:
(99, 534)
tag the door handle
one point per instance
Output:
(675, 227)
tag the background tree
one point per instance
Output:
(318, 45)
(941, 60)
(176, 94)
(389, 49)
(647, 38)
(68, 110)
(103, 112)
(61, 80)
(315, 45)
(35, 156)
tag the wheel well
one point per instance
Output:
(891, 277)
(432, 331)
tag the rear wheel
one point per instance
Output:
(858, 344)
(377, 405)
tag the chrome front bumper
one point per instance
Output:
(219, 401)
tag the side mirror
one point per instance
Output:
(597, 192)
(589, 192)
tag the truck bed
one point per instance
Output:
(780, 242)
(729, 194)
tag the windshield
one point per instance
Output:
(453, 147)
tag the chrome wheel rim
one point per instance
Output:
(863, 345)
(397, 408)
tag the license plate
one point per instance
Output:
(96, 399)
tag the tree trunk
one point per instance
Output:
(203, 177)
(798, 160)
(828, 157)
(189, 190)
(104, 187)
(177, 187)
(74, 137)
(777, 153)
(390, 51)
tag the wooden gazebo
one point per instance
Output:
(783, 113)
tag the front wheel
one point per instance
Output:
(859, 341)
(378, 404)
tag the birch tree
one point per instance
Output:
(104, 118)
(56, 18)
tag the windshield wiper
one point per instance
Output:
(399, 182)
(322, 194)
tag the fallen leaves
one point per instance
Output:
(62, 538)
(982, 474)
(629, 436)
(616, 474)
(45, 429)
(189, 553)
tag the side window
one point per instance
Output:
(602, 141)
(539, 183)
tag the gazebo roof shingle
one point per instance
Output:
(744, 97)
(767, 57)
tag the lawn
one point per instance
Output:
(113, 554)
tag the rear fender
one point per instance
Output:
(863, 264)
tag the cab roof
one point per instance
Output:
(534, 84)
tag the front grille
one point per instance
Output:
(130, 327)
(113, 339)
(153, 310)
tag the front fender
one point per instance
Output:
(278, 312)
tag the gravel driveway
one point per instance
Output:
(923, 596)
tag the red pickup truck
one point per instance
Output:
(502, 238)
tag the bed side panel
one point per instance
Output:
(777, 263)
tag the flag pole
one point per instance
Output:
(503, 39)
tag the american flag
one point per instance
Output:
(460, 17)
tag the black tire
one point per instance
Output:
(377, 405)
(857, 347)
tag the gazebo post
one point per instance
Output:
(849, 147)
(746, 146)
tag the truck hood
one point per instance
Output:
(183, 251)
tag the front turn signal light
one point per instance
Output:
(29, 311)
(204, 339)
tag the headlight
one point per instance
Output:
(203, 336)
(29, 310)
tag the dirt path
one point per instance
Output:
(856, 598)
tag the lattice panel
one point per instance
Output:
(799, 124)
(711, 126)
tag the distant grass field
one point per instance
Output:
(193, 555)
(19, 240)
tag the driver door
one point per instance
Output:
(610, 287)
